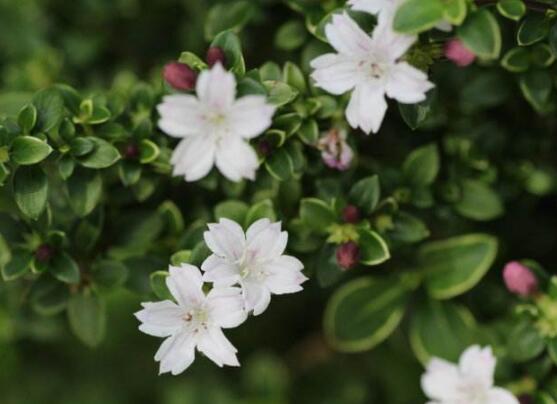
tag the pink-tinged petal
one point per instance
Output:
(176, 353)
(236, 159)
(251, 116)
(217, 88)
(285, 275)
(479, 365)
(367, 108)
(217, 348)
(185, 284)
(226, 239)
(520, 279)
(456, 52)
(335, 73)
(501, 396)
(406, 84)
(194, 157)
(180, 115)
(226, 306)
(220, 271)
(347, 37)
(160, 319)
(441, 380)
(256, 297)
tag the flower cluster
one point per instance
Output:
(245, 270)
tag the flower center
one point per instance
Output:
(249, 268)
(216, 118)
(197, 318)
(376, 70)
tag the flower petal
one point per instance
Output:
(501, 396)
(478, 364)
(372, 6)
(266, 242)
(194, 157)
(388, 43)
(250, 116)
(160, 319)
(367, 108)
(285, 275)
(176, 353)
(216, 88)
(226, 239)
(256, 296)
(441, 380)
(227, 307)
(179, 115)
(236, 159)
(220, 271)
(347, 37)
(217, 348)
(185, 284)
(407, 84)
(335, 73)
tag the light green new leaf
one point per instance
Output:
(373, 249)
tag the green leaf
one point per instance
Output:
(327, 270)
(27, 118)
(192, 61)
(364, 312)
(80, 146)
(260, 210)
(415, 16)
(280, 165)
(536, 86)
(109, 273)
(516, 60)
(442, 330)
(455, 11)
(29, 150)
(84, 190)
(513, 9)
(48, 296)
(373, 249)
(422, 165)
(17, 266)
(64, 268)
(66, 166)
(316, 214)
(366, 193)
(552, 349)
(50, 109)
(158, 285)
(408, 228)
(309, 132)
(234, 210)
(129, 172)
(479, 202)
(542, 55)
(172, 216)
(180, 257)
(148, 151)
(294, 77)
(481, 34)
(103, 155)
(87, 317)
(416, 114)
(534, 28)
(31, 190)
(454, 266)
(280, 93)
(230, 16)
(291, 35)
(524, 342)
(230, 44)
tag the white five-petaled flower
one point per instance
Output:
(215, 127)
(195, 321)
(254, 260)
(469, 382)
(386, 9)
(369, 66)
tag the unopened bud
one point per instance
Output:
(520, 279)
(456, 52)
(351, 214)
(348, 255)
(44, 253)
(265, 147)
(131, 151)
(335, 150)
(215, 55)
(180, 76)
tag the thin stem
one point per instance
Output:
(531, 4)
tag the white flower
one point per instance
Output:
(215, 127)
(370, 68)
(386, 10)
(469, 382)
(253, 260)
(195, 321)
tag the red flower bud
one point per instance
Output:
(214, 55)
(265, 147)
(131, 151)
(180, 76)
(520, 279)
(44, 253)
(456, 52)
(348, 255)
(525, 399)
(351, 214)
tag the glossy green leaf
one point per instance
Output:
(103, 155)
(479, 201)
(31, 190)
(316, 214)
(415, 16)
(422, 165)
(481, 34)
(373, 248)
(64, 268)
(84, 190)
(87, 317)
(366, 193)
(29, 150)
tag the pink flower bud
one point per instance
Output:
(456, 52)
(335, 151)
(351, 214)
(180, 76)
(214, 55)
(519, 279)
(348, 255)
